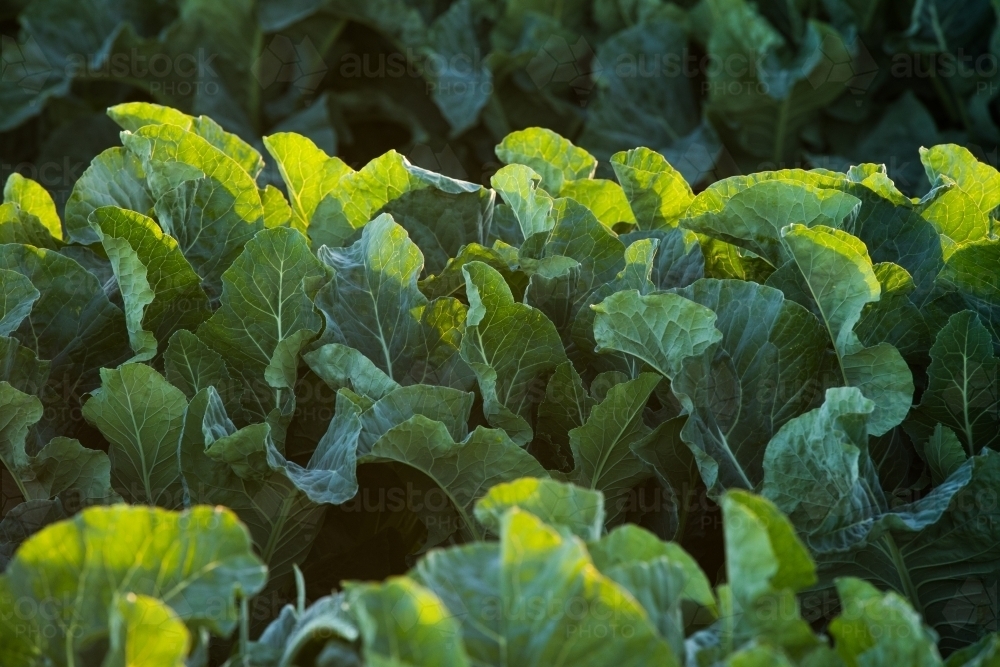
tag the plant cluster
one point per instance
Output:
(217, 395)
(719, 87)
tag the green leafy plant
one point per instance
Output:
(720, 87)
(466, 394)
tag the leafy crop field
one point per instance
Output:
(719, 87)
(386, 417)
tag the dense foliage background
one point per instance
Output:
(718, 86)
(631, 333)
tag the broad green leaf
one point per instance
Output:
(656, 192)
(195, 563)
(461, 85)
(191, 366)
(464, 470)
(897, 233)
(142, 416)
(283, 368)
(450, 281)
(358, 197)
(605, 199)
(894, 319)
(758, 655)
(753, 218)
(331, 475)
(114, 178)
(892, 232)
(939, 552)
(980, 181)
(676, 469)
(295, 629)
(63, 468)
(237, 468)
(277, 210)
(341, 366)
(816, 470)
(875, 177)
(477, 582)
(404, 623)
(309, 174)
(577, 234)
(21, 368)
(964, 273)
(18, 295)
(555, 287)
(955, 215)
(602, 447)
(229, 30)
(19, 649)
(20, 411)
(878, 628)
(583, 255)
(133, 115)
(981, 654)
(637, 274)
(962, 393)
(35, 200)
(144, 631)
(630, 108)
(553, 157)
(579, 509)
(724, 260)
(17, 226)
(840, 279)
(133, 284)
(944, 26)
(779, 96)
(944, 454)
(444, 405)
(373, 305)
(521, 190)
(510, 346)
(629, 544)
(161, 292)
(431, 207)
(20, 523)
(67, 470)
(639, 265)
(762, 551)
(661, 576)
(882, 374)
(566, 405)
(660, 329)
(506, 228)
(442, 214)
(73, 324)
(204, 199)
(762, 372)
(265, 301)
(245, 451)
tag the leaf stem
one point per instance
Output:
(17, 479)
(244, 628)
(909, 590)
(970, 444)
